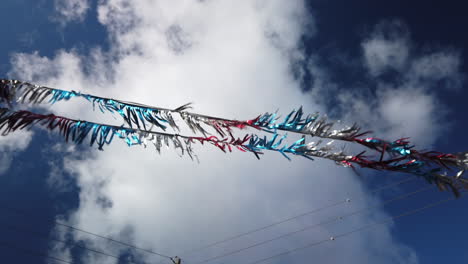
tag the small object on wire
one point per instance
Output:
(176, 260)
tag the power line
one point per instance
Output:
(390, 219)
(335, 219)
(46, 236)
(32, 252)
(20, 212)
(295, 217)
(17, 211)
(115, 241)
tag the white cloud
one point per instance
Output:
(438, 66)
(10, 144)
(406, 104)
(387, 48)
(232, 58)
(58, 180)
(410, 112)
(70, 10)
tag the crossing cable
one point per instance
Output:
(20, 212)
(46, 236)
(309, 227)
(191, 252)
(333, 238)
(32, 252)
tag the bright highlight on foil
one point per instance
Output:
(399, 155)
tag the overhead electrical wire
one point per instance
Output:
(332, 220)
(46, 236)
(126, 244)
(17, 211)
(344, 201)
(333, 238)
(32, 252)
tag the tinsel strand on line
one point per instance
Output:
(139, 115)
(433, 169)
(296, 122)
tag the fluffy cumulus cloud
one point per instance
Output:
(233, 59)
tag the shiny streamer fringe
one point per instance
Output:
(433, 167)
(141, 115)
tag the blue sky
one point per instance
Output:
(320, 57)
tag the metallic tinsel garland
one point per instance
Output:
(432, 166)
(140, 115)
